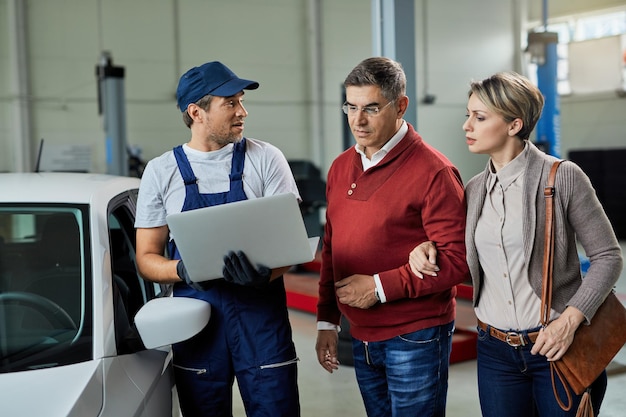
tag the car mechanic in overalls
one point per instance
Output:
(248, 336)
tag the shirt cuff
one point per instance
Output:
(324, 325)
(379, 288)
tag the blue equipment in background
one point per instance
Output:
(542, 47)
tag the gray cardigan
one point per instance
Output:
(578, 215)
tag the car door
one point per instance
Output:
(138, 381)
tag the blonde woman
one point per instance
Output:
(504, 239)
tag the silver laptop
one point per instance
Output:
(270, 230)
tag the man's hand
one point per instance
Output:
(423, 260)
(357, 291)
(326, 348)
(238, 270)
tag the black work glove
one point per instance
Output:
(238, 270)
(184, 276)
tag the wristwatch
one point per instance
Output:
(376, 294)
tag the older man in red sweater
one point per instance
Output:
(388, 194)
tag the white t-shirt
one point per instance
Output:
(162, 190)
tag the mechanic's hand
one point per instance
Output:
(423, 260)
(184, 276)
(238, 270)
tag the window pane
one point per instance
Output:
(45, 311)
(600, 26)
(581, 28)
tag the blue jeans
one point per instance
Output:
(407, 375)
(514, 383)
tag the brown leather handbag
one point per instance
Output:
(595, 345)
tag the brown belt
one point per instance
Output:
(514, 339)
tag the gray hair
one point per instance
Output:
(382, 72)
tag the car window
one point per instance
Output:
(45, 280)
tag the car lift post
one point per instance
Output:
(111, 106)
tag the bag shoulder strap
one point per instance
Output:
(546, 293)
(548, 252)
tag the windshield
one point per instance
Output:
(45, 307)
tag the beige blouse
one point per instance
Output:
(507, 300)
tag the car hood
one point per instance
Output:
(72, 390)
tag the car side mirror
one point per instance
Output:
(167, 320)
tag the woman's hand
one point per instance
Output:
(423, 260)
(554, 340)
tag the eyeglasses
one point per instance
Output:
(370, 111)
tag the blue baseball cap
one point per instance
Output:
(211, 78)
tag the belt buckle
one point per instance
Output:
(514, 334)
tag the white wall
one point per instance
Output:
(268, 41)
(471, 40)
(593, 122)
(265, 41)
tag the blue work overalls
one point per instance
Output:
(248, 335)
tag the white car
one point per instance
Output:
(81, 333)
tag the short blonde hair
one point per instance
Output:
(512, 96)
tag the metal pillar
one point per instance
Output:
(542, 46)
(111, 106)
(20, 84)
(391, 20)
(316, 82)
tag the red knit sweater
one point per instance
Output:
(373, 221)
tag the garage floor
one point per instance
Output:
(324, 394)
